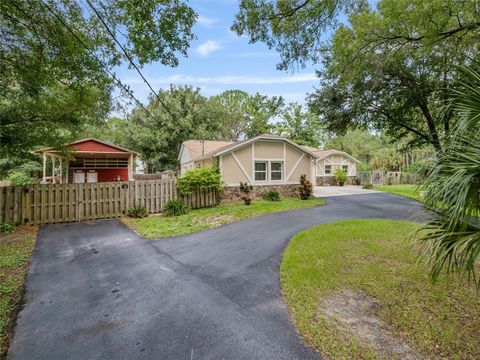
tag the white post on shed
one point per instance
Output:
(66, 172)
(44, 178)
(53, 170)
(130, 167)
(61, 171)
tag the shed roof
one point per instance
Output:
(90, 145)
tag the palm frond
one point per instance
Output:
(451, 242)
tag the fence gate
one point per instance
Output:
(73, 202)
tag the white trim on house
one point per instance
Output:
(264, 138)
(337, 152)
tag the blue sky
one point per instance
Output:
(219, 60)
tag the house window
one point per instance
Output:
(260, 170)
(345, 168)
(328, 169)
(276, 170)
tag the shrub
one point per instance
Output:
(200, 178)
(6, 228)
(175, 207)
(306, 188)
(367, 186)
(272, 195)
(341, 176)
(20, 178)
(138, 212)
(246, 189)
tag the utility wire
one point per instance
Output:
(97, 58)
(129, 58)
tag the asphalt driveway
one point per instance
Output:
(329, 191)
(100, 291)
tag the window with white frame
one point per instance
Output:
(345, 168)
(260, 171)
(328, 169)
(276, 170)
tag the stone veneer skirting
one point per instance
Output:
(330, 180)
(233, 193)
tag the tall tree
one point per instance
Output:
(300, 126)
(55, 58)
(243, 115)
(157, 136)
(386, 68)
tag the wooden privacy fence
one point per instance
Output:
(56, 203)
(388, 177)
(149, 176)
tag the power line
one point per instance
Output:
(129, 57)
(97, 58)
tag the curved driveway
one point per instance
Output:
(99, 291)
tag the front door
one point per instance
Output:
(78, 178)
(92, 177)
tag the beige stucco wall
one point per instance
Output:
(232, 174)
(295, 163)
(244, 156)
(292, 156)
(336, 161)
(302, 168)
(268, 150)
(186, 166)
(206, 162)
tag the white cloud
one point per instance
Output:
(229, 79)
(207, 48)
(206, 21)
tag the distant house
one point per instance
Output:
(265, 160)
(88, 161)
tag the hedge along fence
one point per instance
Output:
(388, 177)
(57, 203)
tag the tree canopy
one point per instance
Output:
(57, 60)
(242, 115)
(300, 125)
(385, 68)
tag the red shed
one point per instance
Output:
(89, 160)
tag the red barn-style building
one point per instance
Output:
(88, 161)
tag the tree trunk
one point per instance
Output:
(435, 139)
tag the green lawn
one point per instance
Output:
(15, 251)
(371, 263)
(159, 226)
(409, 191)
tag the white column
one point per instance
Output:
(44, 178)
(53, 170)
(130, 167)
(66, 172)
(61, 171)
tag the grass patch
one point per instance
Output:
(409, 191)
(373, 259)
(15, 251)
(159, 226)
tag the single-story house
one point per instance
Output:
(88, 160)
(265, 160)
